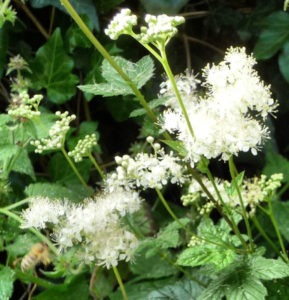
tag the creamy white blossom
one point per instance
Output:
(254, 191)
(224, 120)
(83, 147)
(146, 171)
(122, 23)
(95, 224)
(56, 134)
(22, 106)
(43, 211)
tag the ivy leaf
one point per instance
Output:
(139, 73)
(182, 289)
(6, 283)
(152, 104)
(283, 61)
(51, 69)
(85, 7)
(274, 36)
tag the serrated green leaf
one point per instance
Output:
(140, 291)
(83, 7)
(235, 282)
(177, 146)
(266, 269)
(152, 104)
(274, 36)
(283, 61)
(276, 163)
(202, 255)
(77, 289)
(23, 164)
(51, 69)
(139, 73)
(53, 191)
(152, 267)
(181, 290)
(6, 283)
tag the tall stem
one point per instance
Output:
(96, 165)
(233, 172)
(275, 225)
(172, 79)
(107, 56)
(35, 231)
(75, 170)
(118, 278)
(235, 227)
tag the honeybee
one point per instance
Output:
(39, 253)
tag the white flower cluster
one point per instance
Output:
(95, 224)
(224, 120)
(187, 85)
(22, 106)
(56, 134)
(254, 191)
(83, 147)
(146, 170)
(160, 28)
(122, 23)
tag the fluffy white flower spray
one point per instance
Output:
(96, 225)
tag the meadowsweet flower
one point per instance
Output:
(122, 23)
(187, 85)
(146, 171)
(56, 134)
(160, 28)
(42, 211)
(17, 63)
(7, 13)
(254, 191)
(95, 225)
(83, 147)
(22, 106)
(225, 120)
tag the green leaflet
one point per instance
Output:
(51, 69)
(139, 73)
(6, 283)
(274, 36)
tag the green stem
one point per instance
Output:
(75, 170)
(39, 281)
(275, 225)
(166, 205)
(96, 165)
(235, 227)
(171, 77)
(36, 232)
(107, 56)
(118, 278)
(233, 172)
(19, 203)
(266, 237)
(283, 190)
